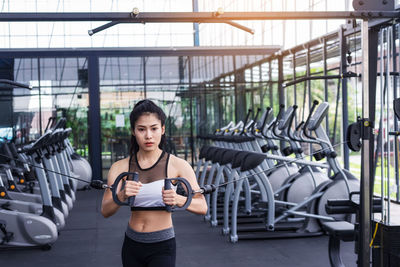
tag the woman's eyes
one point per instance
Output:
(142, 129)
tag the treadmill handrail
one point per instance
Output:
(315, 103)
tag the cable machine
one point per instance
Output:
(374, 15)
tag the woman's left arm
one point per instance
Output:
(170, 197)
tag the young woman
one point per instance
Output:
(149, 238)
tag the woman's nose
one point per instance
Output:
(148, 134)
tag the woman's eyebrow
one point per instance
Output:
(147, 126)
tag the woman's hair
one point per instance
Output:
(145, 107)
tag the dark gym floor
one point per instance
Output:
(90, 240)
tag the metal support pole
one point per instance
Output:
(220, 104)
(232, 98)
(216, 104)
(203, 110)
(217, 99)
(294, 86)
(326, 96)
(381, 137)
(281, 95)
(271, 92)
(252, 90)
(196, 32)
(345, 106)
(396, 126)
(40, 98)
(94, 129)
(369, 54)
(237, 115)
(308, 84)
(144, 77)
(260, 86)
(191, 111)
(388, 91)
(240, 95)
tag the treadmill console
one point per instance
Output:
(41, 141)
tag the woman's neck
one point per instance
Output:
(148, 156)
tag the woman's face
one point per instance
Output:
(148, 131)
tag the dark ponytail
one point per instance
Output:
(143, 107)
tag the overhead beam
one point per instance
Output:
(196, 17)
(141, 51)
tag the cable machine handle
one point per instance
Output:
(168, 185)
(131, 200)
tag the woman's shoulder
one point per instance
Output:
(180, 168)
(176, 162)
(120, 165)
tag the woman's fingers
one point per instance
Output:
(169, 197)
(132, 188)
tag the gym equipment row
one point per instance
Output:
(263, 192)
(36, 189)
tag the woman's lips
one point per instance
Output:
(148, 144)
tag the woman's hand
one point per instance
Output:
(131, 188)
(170, 197)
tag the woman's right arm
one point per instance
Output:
(108, 206)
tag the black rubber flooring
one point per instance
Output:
(91, 240)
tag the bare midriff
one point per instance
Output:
(150, 221)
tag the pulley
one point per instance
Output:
(353, 136)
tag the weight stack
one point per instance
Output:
(386, 246)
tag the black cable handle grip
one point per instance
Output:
(130, 201)
(168, 185)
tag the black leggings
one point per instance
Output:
(137, 254)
